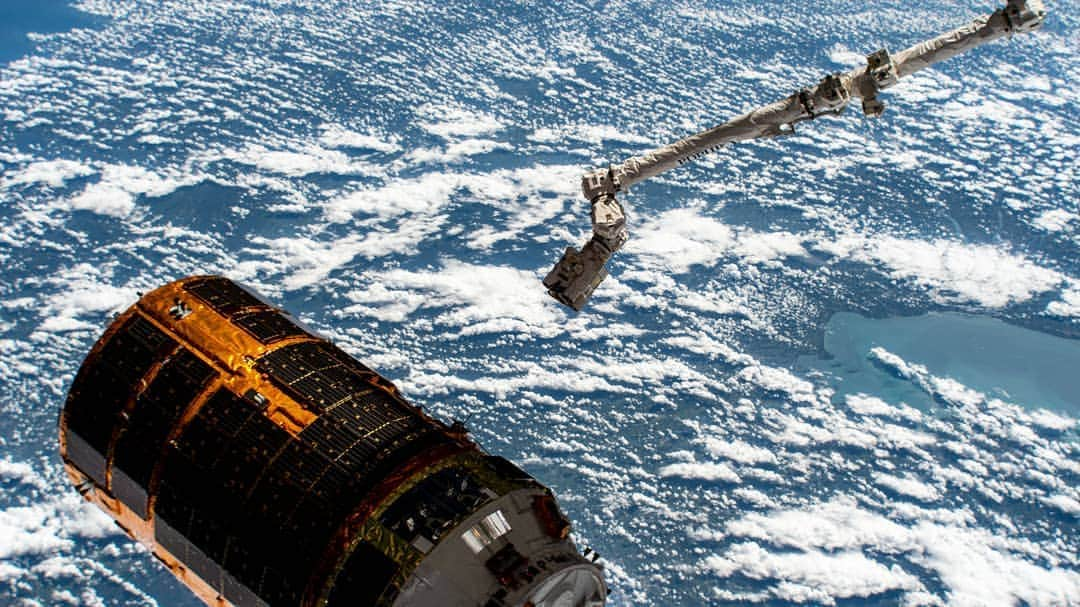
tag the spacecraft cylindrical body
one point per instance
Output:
(264, 466)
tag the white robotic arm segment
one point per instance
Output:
(1018, 16)
(577, 274)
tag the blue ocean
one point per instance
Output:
(836, 368)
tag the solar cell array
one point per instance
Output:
(244, 504)
(258, 318)
(103, 389)
(181, 379)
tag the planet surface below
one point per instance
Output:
(838, 368)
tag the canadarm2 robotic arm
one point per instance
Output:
(578, 273)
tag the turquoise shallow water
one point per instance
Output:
(1019, 365)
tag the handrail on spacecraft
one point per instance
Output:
(578, 273)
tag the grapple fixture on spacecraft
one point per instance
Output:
(578, 273)
(264, 466)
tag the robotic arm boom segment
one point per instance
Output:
(578, 273)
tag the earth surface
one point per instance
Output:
(837, 368)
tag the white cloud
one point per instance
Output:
(457, 151)
(897, 364)
(49, 525)
(701, 471)
(104, 199)
(981, 572)
(910, 487)
(301, 161)
(519, 191)
(450, 122)
(590, 133)
(1054, 220)
(115, 194)
(337, 136)
(739, 451)
(472, 298)
(755, 497)
(710, 303)
(378, 301)
(953, 271)
(836, 525)
(864, 404)
(681, 238)
(707, 346)
(977, 567)
(20, 472)
(306, 261)
(83, 290)
(1069, 306)
(813, 576)
(1052, 421)
(1062, 502)
(9, 572)
(776, 379)
(945, 388)
(524, 376)
(54, 173)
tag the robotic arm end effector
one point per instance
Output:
(578, 273)
(1025, 15)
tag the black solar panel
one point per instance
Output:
(229, 457)
(147, 335)
(217, 460)
(260, 544)
(180, 380)
(179, 493)
(176, 542)
(223, 295)
(316, 373)
(313, 523)
(366, 575)
(332, 438)
(300, 464)
(209, 532)
(274, 497)
(226, 413)
(107, 383)
(201, 442)
(282, 586)
(268, 326)
(366, 474)
(97, 399)
(264, 503)
(242, 564)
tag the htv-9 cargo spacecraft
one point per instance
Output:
(264, 466)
